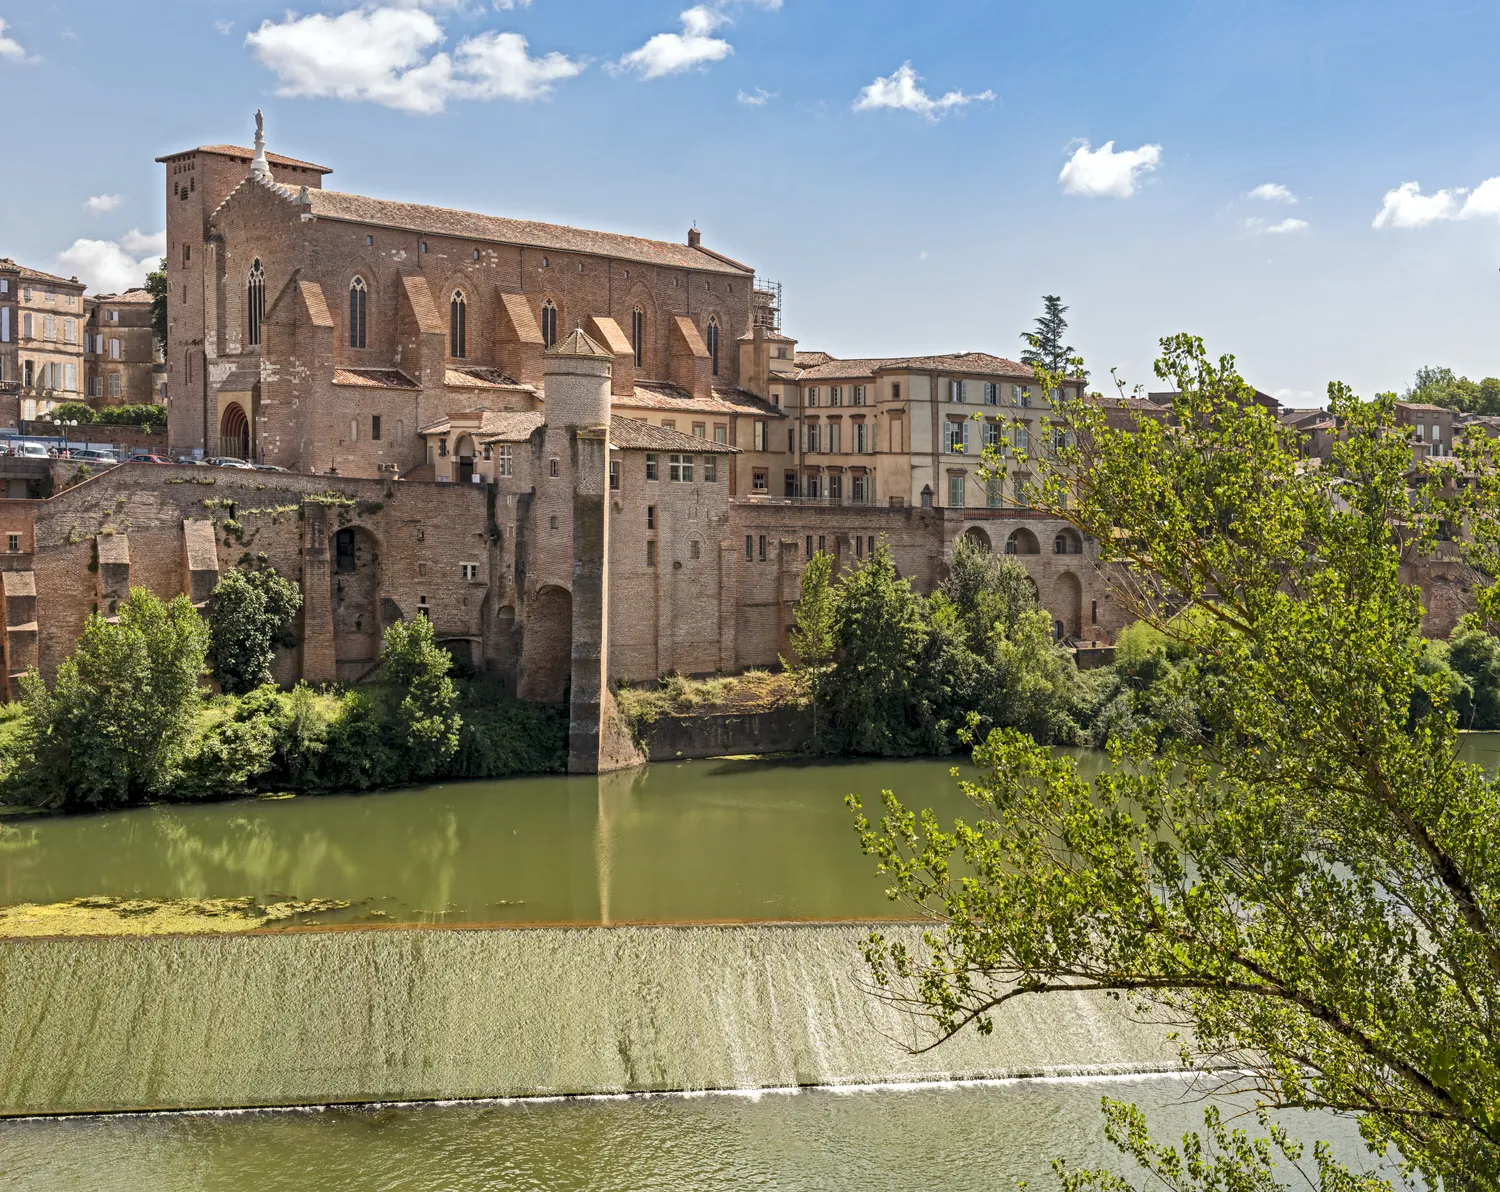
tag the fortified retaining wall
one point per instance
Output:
(781, 730)
(322, 1017)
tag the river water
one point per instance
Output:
(675, 843)
(960, 1138)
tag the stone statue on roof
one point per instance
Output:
(260, 167)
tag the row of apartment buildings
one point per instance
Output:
(59, 344)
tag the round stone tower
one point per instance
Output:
(576, 376)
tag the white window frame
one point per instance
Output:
(680, 468)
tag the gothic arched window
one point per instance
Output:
(458, 326)
(638, 336)
(549, 324)
(713, 343)
(357, 299)
(255, 300)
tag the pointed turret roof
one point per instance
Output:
(579, 344)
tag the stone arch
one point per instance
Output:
(1067, 542)
(1067, 604)
(547, 645)
(234, 431)
(980, 536)
(1022, 542)
(355, 577)
(463, 459)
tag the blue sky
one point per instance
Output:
(915, 174)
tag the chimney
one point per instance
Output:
(695, 237)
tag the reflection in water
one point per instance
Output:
(759, 840)
(963, 1139)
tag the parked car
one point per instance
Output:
(92, 455)
(31, 451)
(229, 461)
(268, 468)
(145, 457)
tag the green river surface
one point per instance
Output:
(724, 840)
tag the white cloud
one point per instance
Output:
(672, 53)
(1408, 207)
(900, 90)
(1101, 172)
(9, 47)
(143, 244)
(1483, 201)
(758, 98)
(1272, 192)
(225, 28)
(383, 55)
(98, 204)
(497, 66)
(1264, 227)
(112, 266)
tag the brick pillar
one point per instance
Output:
(666, 594)
(590, 597)
(728, 622)
(318, 660)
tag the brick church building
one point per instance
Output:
(585, 456)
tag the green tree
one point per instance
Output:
(993, 653)
(114, 728)
(811, 635)
(250, 616)
(1044, 346)
(148, 418)
(879, 697)
(427, 722)
(156, 286)
(1309, 882)
(74, 411)
(1440, 386)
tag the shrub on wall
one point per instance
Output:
(115, 728)
(251, 615)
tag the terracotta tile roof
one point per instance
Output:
(276, 159)
(772, 337)
(630, 434)
(1417, 405)
(1131, 403)
(444, 221)
(478, 377)
(658, 395)
(29, 274)
(374, 378)
(506, 427)
(810, 359)
(128, 298)
(972, 363)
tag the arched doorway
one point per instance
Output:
(463, 460)
(547, 645)
(978, 536)
(1022, 542)
(234, 432)
(1068, 604)
(356, 601)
